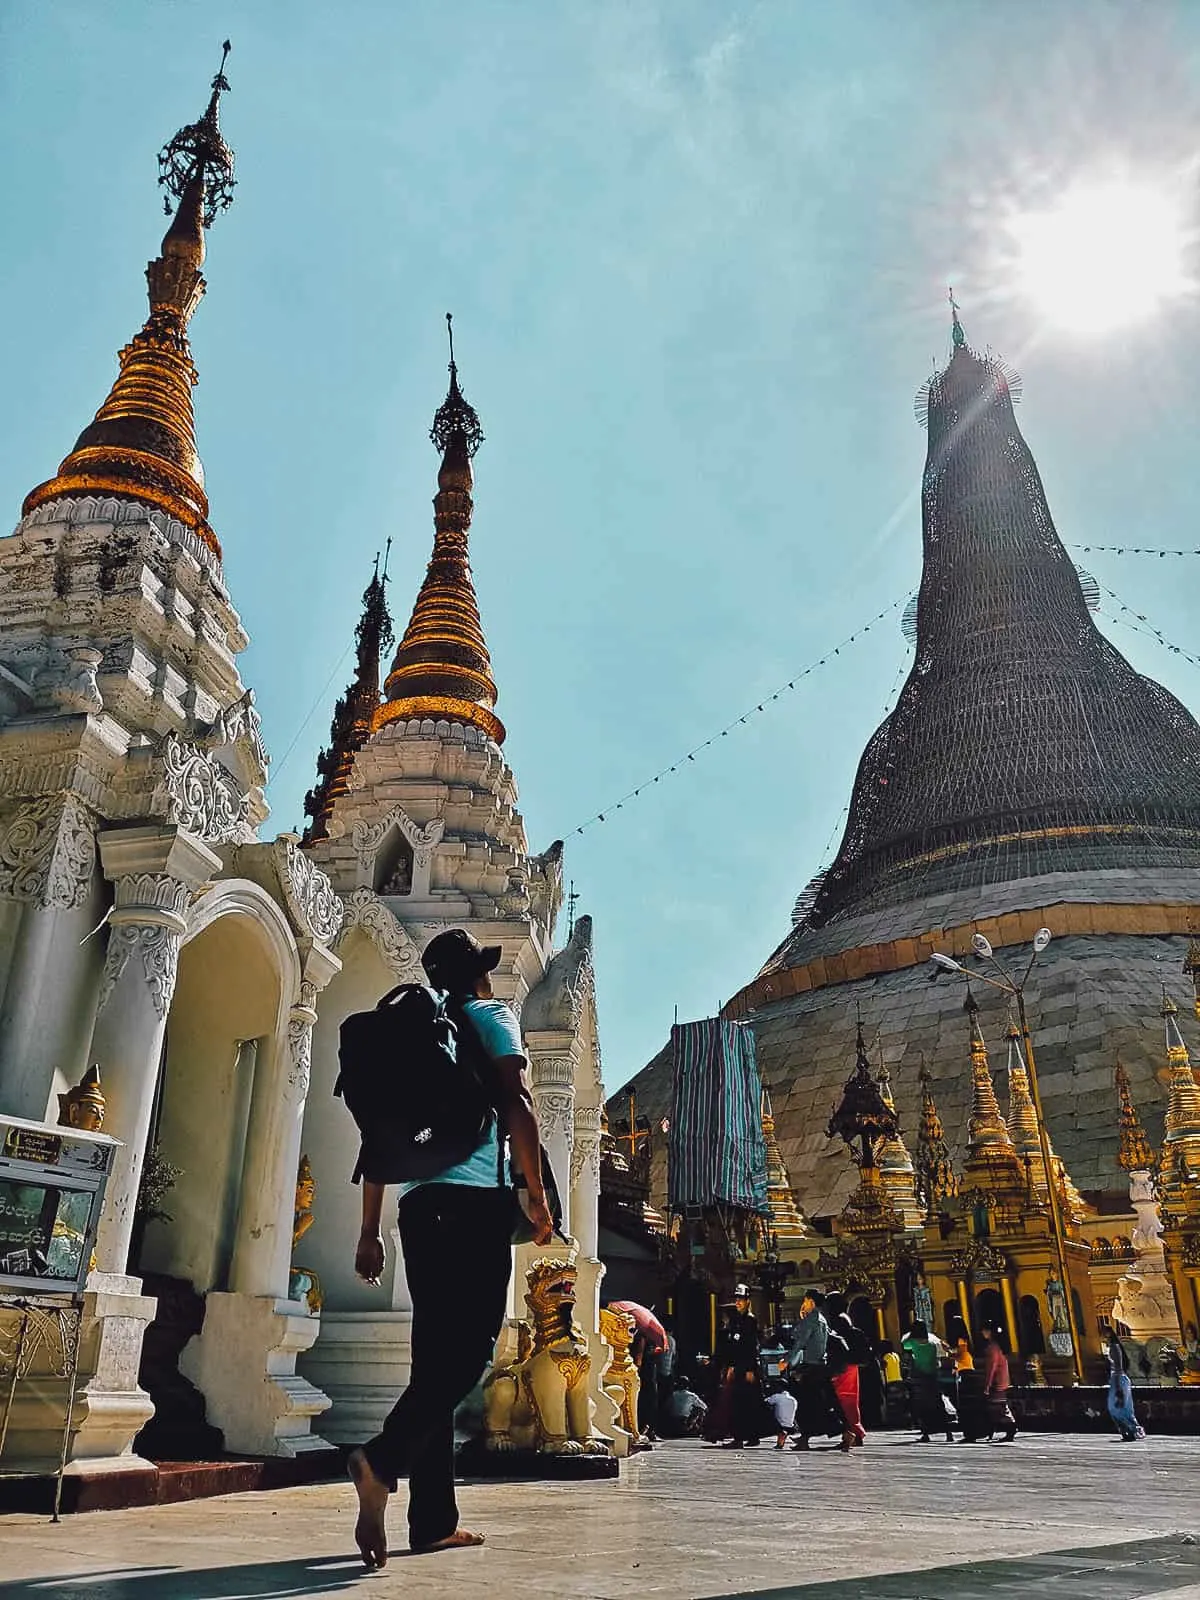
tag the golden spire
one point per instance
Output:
(1022, 1119)
(353, 716)
(1191, 964)
(936, 1178)
(1023, 1130)
(1179, 1159)
(992, 1165)
(986, 1127)
(786, 1221)
(442, 669)
(895, 1163)
(1135, 1153)
(141, 444)
(1183, 1105)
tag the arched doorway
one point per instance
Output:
(219, 1134)
(989, 1312)
(224, 1016)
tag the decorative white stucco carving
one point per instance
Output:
(308, 893)
(68, 682)
(365, 910)
(199, 794)
(367, 838)
(300, 1050)
(236, 722)
(48, 853)
(157, 945)
(555, 1113)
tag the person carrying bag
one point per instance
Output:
(435, 1079)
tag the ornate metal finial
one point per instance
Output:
(957, 335)
(455, 415)
(1135, 1153)
(862, 1113)
(199, 151)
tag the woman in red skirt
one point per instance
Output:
(841, 1354)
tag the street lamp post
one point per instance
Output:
(1015, 989)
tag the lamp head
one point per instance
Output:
(944, 963)
(1040, 940)
(981, 945)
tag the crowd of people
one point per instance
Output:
(822, 1377)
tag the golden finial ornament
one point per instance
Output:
(1183, 1104)
(936, 1178)
(1191, 964)
(442, 670)
(1179, 1158)
(141, 445)
(83, 1107)
(354, 714)
(1135, 1153)
(986, 1126)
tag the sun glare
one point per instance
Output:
(1108, 253)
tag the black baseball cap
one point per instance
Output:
(456, 959)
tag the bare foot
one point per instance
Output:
(460, 1539)
(369, 1533)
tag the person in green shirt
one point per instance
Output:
(924, 1353)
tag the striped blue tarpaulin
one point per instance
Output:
(716, 1151)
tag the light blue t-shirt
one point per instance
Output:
(500, 1034)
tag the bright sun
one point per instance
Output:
(1108, 253)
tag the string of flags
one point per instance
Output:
(1142, 624)
(1130, 550)
(723, 733)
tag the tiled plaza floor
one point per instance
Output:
(1065, 1517)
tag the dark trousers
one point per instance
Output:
(457, 1255)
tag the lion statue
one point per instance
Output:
(540, 1401)
(622, 1381)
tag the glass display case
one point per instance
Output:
(52, 1183)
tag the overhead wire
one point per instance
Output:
(723, 733)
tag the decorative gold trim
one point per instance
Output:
(1011, 927)
(439, 708)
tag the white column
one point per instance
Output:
(263, 1239)
(585, 1181)
(48, 867)
(156, 871)
(553, 1086)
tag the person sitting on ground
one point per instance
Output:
(682, 1413)
(782, 1405)
(924, 1351)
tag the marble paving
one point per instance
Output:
(1060, 1516)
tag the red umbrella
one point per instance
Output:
(648, 1324)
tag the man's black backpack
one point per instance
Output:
(414, 1091)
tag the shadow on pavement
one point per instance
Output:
(271, 1580)
(1107, 1572)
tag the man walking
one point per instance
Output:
(805, 1363)
(455, 1235)
(995, 1384)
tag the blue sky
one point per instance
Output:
(697, 256)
